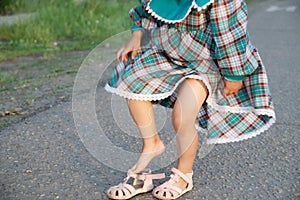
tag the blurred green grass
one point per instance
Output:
(62, 25)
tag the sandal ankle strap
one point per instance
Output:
(150, 176)
(145, 175)
(182, 175)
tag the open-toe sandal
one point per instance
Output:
(142, 183)
(168, 190)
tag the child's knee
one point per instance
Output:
(179, 121)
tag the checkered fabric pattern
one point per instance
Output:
(228, 22)
(207, 46)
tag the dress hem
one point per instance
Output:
(270, 113)
(153, 97)
(243, 137)
(156, 97)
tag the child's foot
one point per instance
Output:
(176, 186)
(141, 183)
(147, 155)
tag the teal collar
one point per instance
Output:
(173, 11)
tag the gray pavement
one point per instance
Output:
(43, 157)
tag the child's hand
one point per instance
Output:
(132, 47)
(232, 87)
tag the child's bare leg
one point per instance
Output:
(143, 115)
(192, 95)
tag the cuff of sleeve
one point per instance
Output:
(234, 78)
(136, 27)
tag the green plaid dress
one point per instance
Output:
(208, 45)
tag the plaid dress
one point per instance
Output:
(207, 45)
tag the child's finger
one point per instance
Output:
(119, 53)
(124, 56)
(228, 92)
(225, 92)
(134, 53)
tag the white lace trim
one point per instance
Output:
(193, 5)
(209, 100)
(238, 109)
(155, 97)
(199, 8)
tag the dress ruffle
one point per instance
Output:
(175, 11)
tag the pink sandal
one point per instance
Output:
(169, 191)
(142, 183)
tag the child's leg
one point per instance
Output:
(143, 115)
(192, 95)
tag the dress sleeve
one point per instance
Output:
(137, 14)
(234, 54)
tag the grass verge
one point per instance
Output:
(58, 26)
(63, 25)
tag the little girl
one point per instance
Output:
(195, 57)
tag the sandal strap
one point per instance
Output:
(130, 188)
(182, 175)
(131, 174)
(145, 175)
(169, 191)
(123, 187)
(150, 176)
(125, 190)
(173, 188)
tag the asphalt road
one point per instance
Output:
(43, 156)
